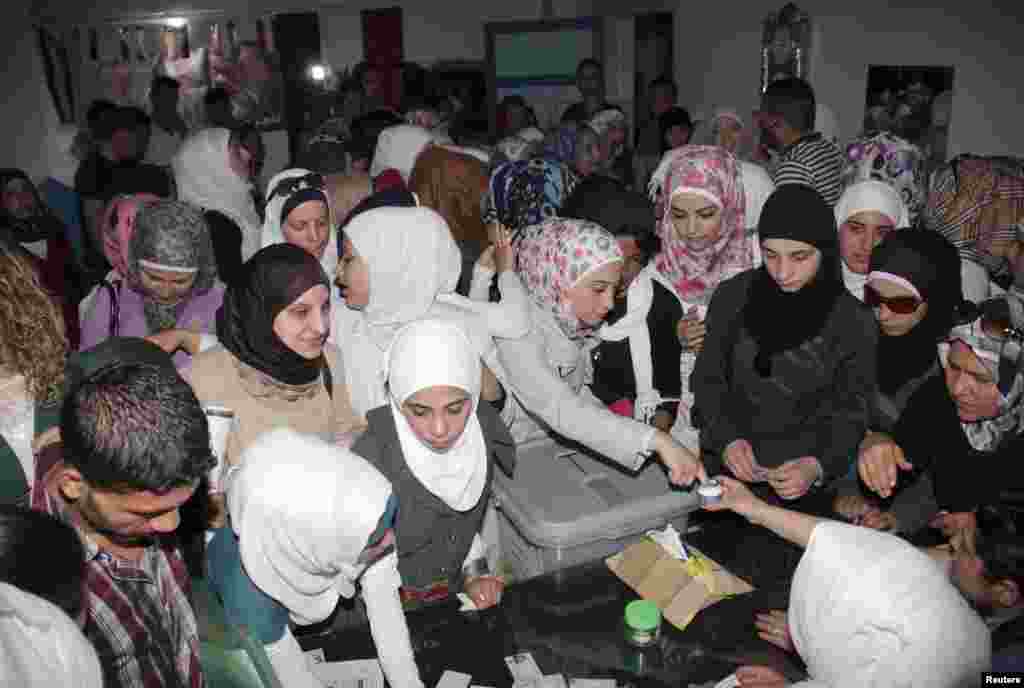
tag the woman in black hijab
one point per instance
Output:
(273, 367)
(914, 287)
(785, 379)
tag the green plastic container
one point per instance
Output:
(643, 623)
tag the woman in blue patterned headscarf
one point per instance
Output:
(526, 192)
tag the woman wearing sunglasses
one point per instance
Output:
(913, 288)
(964, 428)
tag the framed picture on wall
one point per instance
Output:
(536, 61)
(912, 102)
(785, 45)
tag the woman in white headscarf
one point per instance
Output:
(293, 559)
(214, 170)
(397, 149)
(400, 265)
(866, 212)
(865, 608)
(433, 440)
(40, 646)
(299, 212)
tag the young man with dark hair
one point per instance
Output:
(806, 157)
(590, 82)
(118, 167)
(134, 447)
(169, 128)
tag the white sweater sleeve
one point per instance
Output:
(542, 392)
(508, 318)
(290, 664)
(380, 585)
(480, 284)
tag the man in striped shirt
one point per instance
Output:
(806, 157)
(134, 443)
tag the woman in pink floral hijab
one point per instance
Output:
(571, 269)
(554, 256)
(696, 262)
(702, 211)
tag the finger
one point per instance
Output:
(903, 463)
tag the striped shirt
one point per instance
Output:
(813, 161)
(138, 614)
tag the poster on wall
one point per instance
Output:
(785, 45)
(914, 103)
(201, 53)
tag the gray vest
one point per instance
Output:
(433, 539)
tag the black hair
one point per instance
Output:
(999, 543)
(664, 82)
(162, 82)
(216, 96)
(98, 118)
(135, 426)
(43, 556)
(793, 100)
(124, 117)
(97, 110)
(673, 117)
(624, 213)
(588, 62)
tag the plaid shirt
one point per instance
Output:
(138, 614)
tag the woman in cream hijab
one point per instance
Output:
(40, 646)
(866, 609)
(293, 559)
(401, 264)
(433, 440)
(866, 212)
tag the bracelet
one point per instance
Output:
(476, 568)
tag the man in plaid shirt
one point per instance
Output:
(134, 445)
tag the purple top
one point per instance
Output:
(198, 313)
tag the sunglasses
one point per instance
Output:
(903, 305)
(996, 324)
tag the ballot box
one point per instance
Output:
(565, 506)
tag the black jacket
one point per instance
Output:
(816, 403)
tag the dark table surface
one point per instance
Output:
(571, 622)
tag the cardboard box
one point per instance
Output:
(680, 588)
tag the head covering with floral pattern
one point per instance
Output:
(713, 173)
(555, 255)
(890, 159)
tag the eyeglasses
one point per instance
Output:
(903, 305)
(996, 322)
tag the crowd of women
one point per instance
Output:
(381, 341)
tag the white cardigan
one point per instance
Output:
(545, 375)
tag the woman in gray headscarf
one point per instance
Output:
(171, 282)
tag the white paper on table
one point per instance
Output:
(356, 673)
(467, 604)
(591, 683)
(729, 681)
(454, 679)
(553, 681)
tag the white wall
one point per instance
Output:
(717, 59)
(716, 52)
(26, 112)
